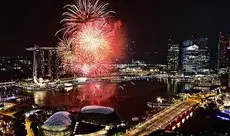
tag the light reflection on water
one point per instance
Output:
(129, 100)
(93, 94)
(39, 97)
(177, 87)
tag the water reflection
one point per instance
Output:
(92, 93)
(129, 98)
(39, 97)
(175, 86)
(99, 92)
(172, 86)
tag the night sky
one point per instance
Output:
(148, 22)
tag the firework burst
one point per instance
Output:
(65, 52)
(93, 38)
(84, 11)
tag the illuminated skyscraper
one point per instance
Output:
(173, 55)
(195, 56)
(228, 63)
(42, 62)
(224, 43)
(204, 53)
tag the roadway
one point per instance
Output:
(6, 84)
(161, 120)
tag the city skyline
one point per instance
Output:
(148, 23)
(115, 67)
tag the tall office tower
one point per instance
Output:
(228, 63)
(42, 60)
(204, 53)
(223, 44)
(189, 56)
(49, 62)
(195, 56)
(54, 64)
(173, 55)
(39, 60)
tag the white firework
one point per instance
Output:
(84, 11)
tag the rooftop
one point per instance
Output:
(59, 121)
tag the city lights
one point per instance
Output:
(122, 68)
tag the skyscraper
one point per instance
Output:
(190, 53)
(173, 55)
(195, 56)
(204, 53)
(223, 44)
(228, 64)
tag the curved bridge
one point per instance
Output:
(168, 119)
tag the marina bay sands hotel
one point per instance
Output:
(45, 61)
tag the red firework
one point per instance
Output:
(94, 40)
(94, 48)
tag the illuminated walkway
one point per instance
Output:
(162, 119)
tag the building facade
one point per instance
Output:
(228, 63)
(173, 55)
(195, 56)
(223, 44)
